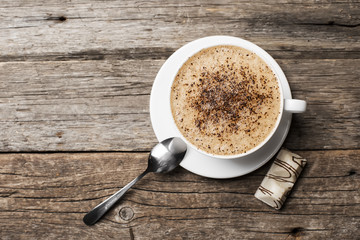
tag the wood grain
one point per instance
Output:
(46, 28)
(75, 85)
(77, 76)
(104, 105)
(81, 106)
(46, 196)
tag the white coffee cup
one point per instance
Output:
(286, 105)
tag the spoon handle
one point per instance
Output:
(94, 215)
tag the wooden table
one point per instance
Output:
(75, 83)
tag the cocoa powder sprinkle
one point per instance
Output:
(222, 102)
(222, 97)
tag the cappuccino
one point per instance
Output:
(225, 100)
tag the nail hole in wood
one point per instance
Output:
(62, 18)
(296, 232)
(56, 19)
(59, 134)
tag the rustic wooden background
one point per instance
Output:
(75, 79)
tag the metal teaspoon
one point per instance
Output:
(164, 157)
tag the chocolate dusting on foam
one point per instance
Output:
(225, 100)
(224, 95)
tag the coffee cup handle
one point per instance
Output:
(294, 105)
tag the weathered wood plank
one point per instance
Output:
(104, 105)
(76, 106)
(76, 76)
(46, 29)
(46, 196)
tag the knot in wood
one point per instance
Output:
(126, 213)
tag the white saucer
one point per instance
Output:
(194, 161)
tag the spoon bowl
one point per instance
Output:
(167, 155)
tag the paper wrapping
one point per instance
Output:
(280, 178)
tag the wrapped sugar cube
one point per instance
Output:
(280, 178)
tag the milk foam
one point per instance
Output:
(225, 100)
